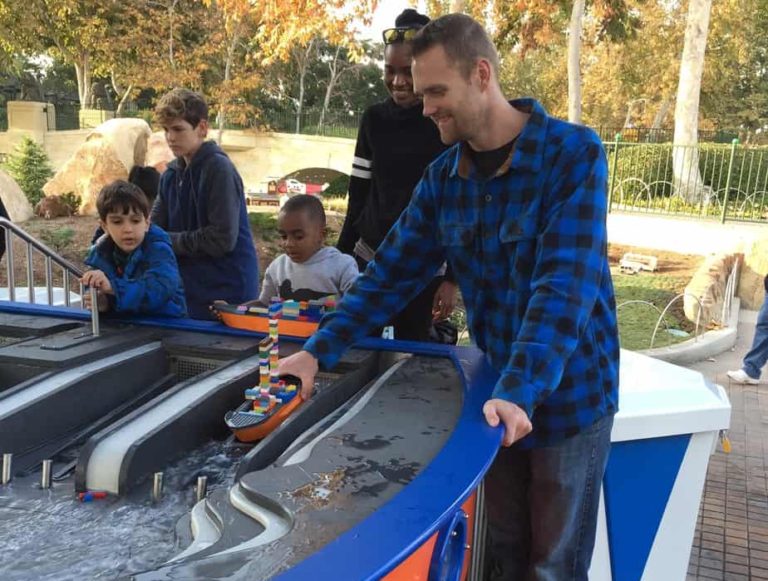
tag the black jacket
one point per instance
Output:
(394, 147)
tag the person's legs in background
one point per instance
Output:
(757, 356)
(542, 507)
(414, 321)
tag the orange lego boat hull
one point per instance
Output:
(261, 430)
(261, 324)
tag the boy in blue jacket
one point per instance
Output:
(201, 204)
(134, 268)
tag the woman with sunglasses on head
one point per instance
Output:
(395, 143)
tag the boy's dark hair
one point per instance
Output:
(121, 197)
(409, 18)
(181, 104)
(147, 178)
(309, 203)
(463, 39)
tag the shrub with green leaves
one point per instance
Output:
(72, 201)
(748, 172)
(338, 187)
(643, 172)
(58, 239)
(30, 167)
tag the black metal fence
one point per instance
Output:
(666, 135)
(709, 180)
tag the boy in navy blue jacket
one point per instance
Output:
(134, 268)
(201, 204)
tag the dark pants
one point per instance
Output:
(414, 321)
(542, 507)
(758, 354)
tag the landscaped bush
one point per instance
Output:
(643, 173)
(30, 167)
(749, 172)
(338, 187)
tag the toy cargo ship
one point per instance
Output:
(272, 401)
(294, 318)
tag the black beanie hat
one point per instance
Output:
(409, 18)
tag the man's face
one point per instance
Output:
(453, 102)
(300, 236)
(127, 231)
(397, 74)
(183, 139)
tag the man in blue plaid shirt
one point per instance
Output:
(518, 208)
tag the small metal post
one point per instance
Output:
(94, 312)
(613, 171)
(202, 488)
(734, 145)
(7, 460)
(9, 258)
(30, 275)
(49, 279)
(65, 284)
(45, 476)
(157, 487)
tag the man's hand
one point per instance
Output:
(98, 280)
(304, 366)
(444, 301)
(516, 422)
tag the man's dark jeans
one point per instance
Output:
(542, 507)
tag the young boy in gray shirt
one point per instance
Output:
(308, 270)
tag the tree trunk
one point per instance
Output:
(574, 61)
(123, 95)
(685, 159)
(333, 76)
(662, 113)
(83, 73)
(457, 6)
(302, 59)
(221, 117)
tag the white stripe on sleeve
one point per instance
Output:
(362, 162)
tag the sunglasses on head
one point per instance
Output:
(393, 35)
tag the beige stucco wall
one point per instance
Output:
(257, 156)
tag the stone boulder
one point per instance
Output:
(753, 271)
(709, 286)
(159, 155)
(107, 154)
(14, 200)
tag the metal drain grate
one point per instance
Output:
(187, 367)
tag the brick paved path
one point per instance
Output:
(731, 539)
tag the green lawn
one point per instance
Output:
(637, 321)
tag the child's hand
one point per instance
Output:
(98, 280)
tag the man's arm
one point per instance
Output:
(359, 189)
(566, 279)
(159, 214)
(219, 236)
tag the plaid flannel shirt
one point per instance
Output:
(529, 249)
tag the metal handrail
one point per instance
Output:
(50, 257)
